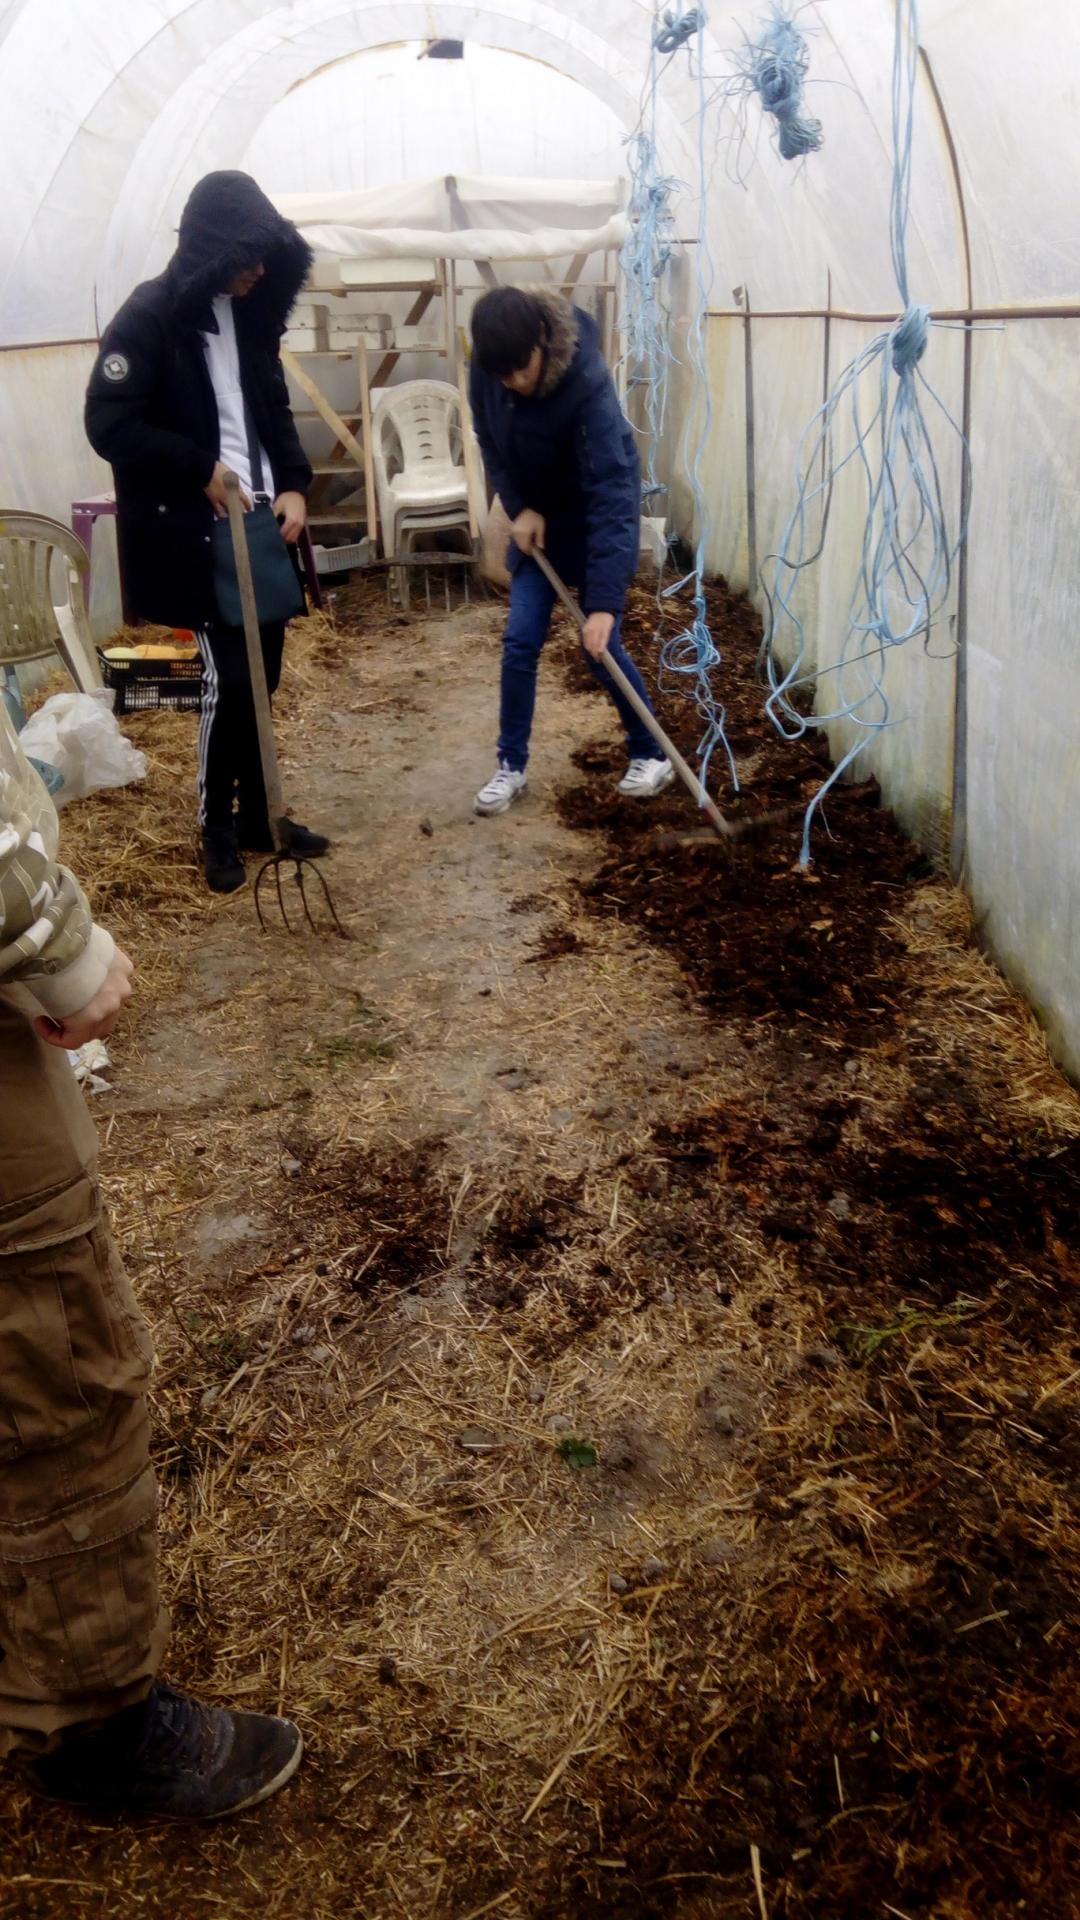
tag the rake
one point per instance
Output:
(270, 873)
(729, 830)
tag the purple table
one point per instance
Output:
(84, 515)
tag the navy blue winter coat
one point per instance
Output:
(567, 451)
(150, 406)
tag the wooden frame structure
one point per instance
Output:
(351, 426)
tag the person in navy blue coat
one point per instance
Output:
(560, 454)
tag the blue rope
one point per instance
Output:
(678, 29)
(691, 655)
(908, 554)
(775, 67)
(645, 257)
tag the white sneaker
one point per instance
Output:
(501, 791)
(644, 778)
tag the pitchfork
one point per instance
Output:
(279, 824)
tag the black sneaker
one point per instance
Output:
(257, 838)
(222, 864)
(173, 1758)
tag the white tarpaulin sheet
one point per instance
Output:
(459, 218)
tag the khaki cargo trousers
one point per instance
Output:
(82, 1629)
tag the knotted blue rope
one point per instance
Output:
(775, 67)
(908, 553)
(678, 29)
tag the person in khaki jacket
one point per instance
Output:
(82, 1628)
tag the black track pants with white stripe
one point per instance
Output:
(229, 769)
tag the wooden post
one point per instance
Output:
(608, 308)
(751, 463)
(322, 405)
(958, 799)
(371, 510)
(468, 449)
(412, 319)
(573, 275)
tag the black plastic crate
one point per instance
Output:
(142, 685)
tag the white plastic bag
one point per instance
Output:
(88, 1063)
(78, 734)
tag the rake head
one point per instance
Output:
(301, 870)
(747, 829)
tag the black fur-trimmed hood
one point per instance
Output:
(227, 225)
(563, 339)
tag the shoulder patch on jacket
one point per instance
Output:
(116, 366)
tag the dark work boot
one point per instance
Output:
(222, 865)
(256, 836)
(173, 1758)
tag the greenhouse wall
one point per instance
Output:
(981, 759)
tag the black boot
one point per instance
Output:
(256, 836)
(222, 864)
(172, 1757)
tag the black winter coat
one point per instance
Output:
(150, 406)
(568, 452)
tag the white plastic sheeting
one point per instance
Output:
(120, 111)
(461, 218)
(386, 116)
(110, 116)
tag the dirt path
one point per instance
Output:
(590, 1398)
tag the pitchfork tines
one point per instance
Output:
(302, 868)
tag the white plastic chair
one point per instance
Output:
(419, 463)
(43, 569)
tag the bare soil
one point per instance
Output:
(618, 1330)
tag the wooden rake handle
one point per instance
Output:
(256, 665)
(689, 778)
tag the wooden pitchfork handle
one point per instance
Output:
(725, 828)
(260, 693)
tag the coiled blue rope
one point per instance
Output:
(678, 30)
(908, 552)
(775, 66)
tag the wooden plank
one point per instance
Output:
(450, 308)
(336, 516)
(751, 449)
(412, 319)
(468, 448)
(577, 268)
(607, 313)
(346, 436)
(370, 499)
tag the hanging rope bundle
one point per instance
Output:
(775, 66)
(908, 553)
(644, 260)
(678, 30)
(688, 659)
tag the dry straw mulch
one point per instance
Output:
(675, 1516)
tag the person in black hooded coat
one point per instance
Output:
(187, 370)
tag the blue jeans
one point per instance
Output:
(531, 601)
